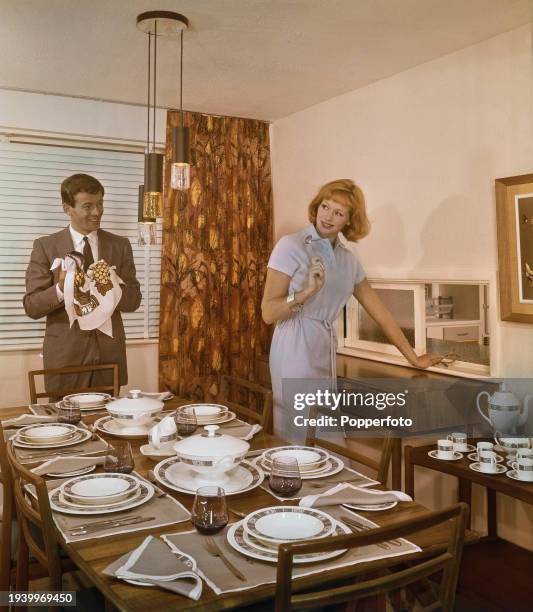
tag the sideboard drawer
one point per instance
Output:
(462, 334)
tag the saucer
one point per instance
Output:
(500, 469)
(474, 457)
(512, 474)
(156, 453)
(469, 449)
(456, 455)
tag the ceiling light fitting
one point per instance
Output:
(146, 226)
(155, 23)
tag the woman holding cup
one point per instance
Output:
(311, 275)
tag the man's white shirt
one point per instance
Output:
(77, 240)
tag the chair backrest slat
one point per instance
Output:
(112, 388)
(247, 394)
(8, 507)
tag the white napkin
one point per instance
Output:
(28, 419)
(346, 493)
(154, 563)
(60, 465)
(165, 395)
(90, 298)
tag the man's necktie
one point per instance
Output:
(88, 258)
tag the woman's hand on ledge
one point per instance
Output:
(426, 361)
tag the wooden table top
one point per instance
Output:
(418, 455)
(93, 555)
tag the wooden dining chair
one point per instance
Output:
(7, 517)
(35, 518)
(393, 573)
(112, 388)
(250, 401)
(380, 466)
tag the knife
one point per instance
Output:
(90, 528)
(106, 521)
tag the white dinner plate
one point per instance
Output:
(83, 436)
(177, 476)
(72, 504)
(235, 537)
(109, 425)
(309, 458)
(86, 407)
(99, 489)
(372, 507)
(279, 524)
(85, 400)
(204, 410)
(46, 433)
(226, 418)
(147, 492)
(333, 466)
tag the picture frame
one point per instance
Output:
(514, 210)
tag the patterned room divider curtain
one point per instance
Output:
(217, 238)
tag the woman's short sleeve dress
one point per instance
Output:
(304, 345)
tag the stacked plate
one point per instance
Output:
(261, 532)
(89, 401)
(100, 494)
(313, 462)
(50, 435)
(209, 414)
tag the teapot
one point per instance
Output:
(505, 411)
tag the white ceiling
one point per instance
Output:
(252, 58)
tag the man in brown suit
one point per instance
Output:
(82, 196)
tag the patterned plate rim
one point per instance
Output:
(249, 523)
(475, 458)
(257, 476)
(146, 494)
(84, 436)
(104, 396)
(237, 542)
(133, 483)
(501, 469)
(134, 495)
(337, 465)
(323, 455)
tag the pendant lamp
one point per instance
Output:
(155, 23)
(180, 174)
(146, 227)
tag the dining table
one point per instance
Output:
(92, 556)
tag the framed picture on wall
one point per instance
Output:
(514, 207)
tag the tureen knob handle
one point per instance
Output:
(211, 430)
(135, 393)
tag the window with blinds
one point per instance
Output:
(30, 206)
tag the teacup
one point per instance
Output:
(511, 445)
(523, 468)
(445, 449)
(165, 432)
(524, 453)
(459, 441)
(488, 461)
(484, 446)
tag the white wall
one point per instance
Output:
(55, 115)
(426, 145)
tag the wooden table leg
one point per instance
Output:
(492, 524)
(396, 459)
(465, 495)
(409, 472)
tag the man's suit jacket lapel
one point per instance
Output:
(64, 243)
(105, 247)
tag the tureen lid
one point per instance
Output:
(211, 443)
(135, 402)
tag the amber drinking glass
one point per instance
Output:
(186, 422)
(209, 511)
(68, 411)
(119, 457)
(285, 479)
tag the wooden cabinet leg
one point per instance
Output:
(465, 495)
(396, 459)
(492, 523)
(409, 472)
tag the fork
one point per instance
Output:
(360, 527)
(367, 527)
(214, 550)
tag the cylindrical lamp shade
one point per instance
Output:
(153, 185)
(180, 171)
(146, 227)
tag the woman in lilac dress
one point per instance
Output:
(311, 275)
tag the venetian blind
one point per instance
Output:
(30, 179)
